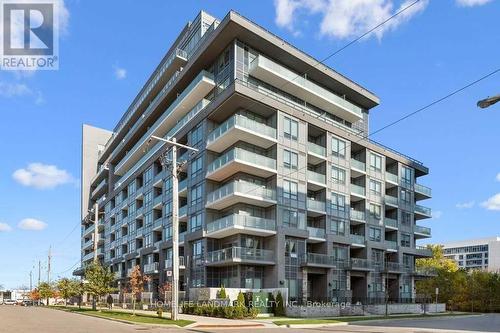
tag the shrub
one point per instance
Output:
(240, 302)
(253, 312)
(222, 292)
(272, 302)
(280, 306)
(159, 312)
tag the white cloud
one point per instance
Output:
(437, 214)
(498, 177)
(348, 18)
(492, 203)
(471, 3)
(4, 227)
(120, 73)
(14, 89)
(32, 224)
(42, 176)
(465, 205)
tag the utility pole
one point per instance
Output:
(39, 273)
(172, 164)
(31, 280)
(49, 257)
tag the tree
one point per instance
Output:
(99, 281)
(46, 291)
(34, 295)
(164, 289)
(68, 288)
(280, 306)
(136, 282)
(222, 293)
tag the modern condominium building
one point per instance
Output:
(285, 190)
(481, 253)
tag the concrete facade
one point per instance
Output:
(481, 253)
(285, 190)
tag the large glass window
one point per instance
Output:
(147, 177)
(338, 175)
(290, 218)
(405, 196)
(195, 222)
(406, 176)
(196, 194)
(290, 190)
(196, 135)
(196, 166)
(338, 147)
(291, 129)
(375, 187)
(338, 227)
(375, 234)
(375, 211)
(338, 202)
(405, 240)
(375, 162)
(290, 159)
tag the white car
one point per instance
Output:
(9, 302)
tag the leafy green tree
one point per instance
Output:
(99, 280)
(68, 288)
(46, 290)
(137, 281)
(280, 305)
(222, 292)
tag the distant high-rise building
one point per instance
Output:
(285, 191)
(481, 253)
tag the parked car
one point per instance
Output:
(9, 302)
(27, 302)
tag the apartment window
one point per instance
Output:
(290, 218)
(406, 218)
(131, 188)
(405, 240)
(407, 261)
(291, 128)
(196, 195)
(148, 219)
(338, 202)
(375, 187)
(375, 234)
(196, 135)
(406, 176)
(338, 175)
(197, 249)
(338, 227)
(405, 196)
(290, 190)
(290, 248)
(196, 166)
(148, 198)
(290, 159)
(375, 162)
(195, 222)
(339, 252)
(147, 177)
(148, 240)
(375, 211)
(338, 147)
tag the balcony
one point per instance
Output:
(151, 268)
(316, 180)
(359, 264)
(183, 212)
(315, 153)
(358, 168)
(158, 201)
(392, 246)
(189, 99)
(358, 215)
(421, 232)
(391, 178)
(357, 191)
(183, 188)
(315, 207)
(240, 255)
(88, 244)
(316, 235)
(395, 267)
(241, 160)
(240, 128)
(422, 192)
(89, 230)
(390, 200)
(318, 260)
(102, 173)
(423, 251)
(357, 240)
(296, 85)
(169, 264)
(244, 224)
(100, 189)
(422, 212)
(425, 272)
(391, 223)
(239, 191)
(158, 223)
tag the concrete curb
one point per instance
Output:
(314, 325)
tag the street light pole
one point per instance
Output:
(487, 102)
(175, 215)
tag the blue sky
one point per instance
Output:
(109, 48)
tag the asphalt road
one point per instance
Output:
(15, 319)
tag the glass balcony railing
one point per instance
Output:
(393, 266)
(359, 190)
(239, 120)
(357, 239)
(319, 259)
(242, 221)
(316, 149)
(317, 205)
(391, 222)
(169, 264)
(360, 263)
(240, 253)
(183, 184)
(391, 177)
(190, 115)
(316, 177)
(393, 245)
(151, 268)
(423, 190)
(183, 210)
(422, 230)
(423, 210)
(391, 200)
(244, 188)
(358, 215)
(316, 232)
(358, 165)
(423, 250)
(244, 156)
(100, 187)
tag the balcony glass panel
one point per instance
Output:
(316, 177)
(356, 189)
(243, 155)
(241, 121)
(316, 232)
(316, 149)
(357, 214)
(423, 210)
(317, 205)
(243, 187)
(243, 221)
(240, 253)
(358, 165)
